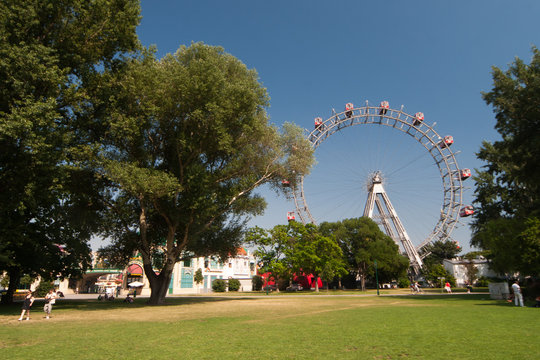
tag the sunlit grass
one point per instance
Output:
(277, 327)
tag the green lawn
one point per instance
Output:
(277, 327)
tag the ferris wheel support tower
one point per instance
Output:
(389, 220)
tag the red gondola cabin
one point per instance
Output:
(464, 174)
(466, 211)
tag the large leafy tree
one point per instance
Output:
(272, 249)
(295, 248)
(186, 144)
(439, 250)
(508, 187)
(316, 254)
(50, 52)
(363, 242)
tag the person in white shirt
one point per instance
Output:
(518, 297)
(50, 299)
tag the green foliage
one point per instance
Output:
(440, 250)
(219, 285)
(257, 282)
(187, 141)
(474, 255)
(512, 243)
(43, 288)
(435, 271)
(404, 282)
(4, 281)
(48, 63)
(198, 277)
(482, 281)
(234, 284)
(508, 187)
(26, 281)
(296, 248)
(362, 242)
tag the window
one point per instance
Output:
(187, 278)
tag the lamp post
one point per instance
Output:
(376, 277)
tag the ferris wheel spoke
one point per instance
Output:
(412, 169)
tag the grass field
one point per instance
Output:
(277, 327)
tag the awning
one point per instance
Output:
(135, 269)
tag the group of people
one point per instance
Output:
(50, 300)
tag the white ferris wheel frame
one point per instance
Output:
(423, 133)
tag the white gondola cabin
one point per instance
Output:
(290, 216)
(349, 109)
(318, 123)
(446, 142)
(383, 107)
(418, 118)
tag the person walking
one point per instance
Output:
(27, 304)
(518, 297)
(50, 300)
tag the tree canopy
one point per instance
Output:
(363, 242)
(186, 142)
(50, 52)
(508, 186)
(439, 250)
(298, 249)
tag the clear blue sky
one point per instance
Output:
(312, 56)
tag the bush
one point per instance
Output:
(198, 277)
(219, 285)
(404, 283)
(234, 284)
(257, 283)
(435, 271)
(482, 282)
(43, 288)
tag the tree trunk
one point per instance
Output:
(316, 284)
(14, 279)
(159, 286)
(362, 279)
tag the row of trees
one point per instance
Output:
(100, 137)
(328, 251)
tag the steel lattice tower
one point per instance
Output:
(389, 219)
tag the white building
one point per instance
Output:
(458, 268)
(241, 267)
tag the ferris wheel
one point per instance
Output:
(433, 145)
